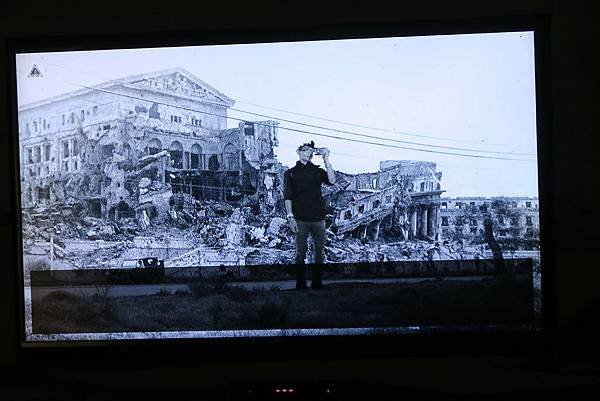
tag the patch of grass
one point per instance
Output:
(61, 296)
(494, 300)
(206, 287)
(238, 294)
(201, 289)
(217, 311)
(63, 312)
(271, 313)
(163, 292)
(218, 283)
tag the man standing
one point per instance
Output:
(306, 209)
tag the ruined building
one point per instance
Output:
(403, 196)
(460, 215)
(124, 148)
(155, 147)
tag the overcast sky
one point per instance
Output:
(462, 94)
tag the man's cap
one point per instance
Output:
(310, 144)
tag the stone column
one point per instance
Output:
(160, 174)
(413, 223)
(435, 213)
(430, 221)
(423, 223)
(186, 160)
(438, 221)
(376, 236)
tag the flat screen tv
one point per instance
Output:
(373, 183)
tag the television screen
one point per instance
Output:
(335, 187)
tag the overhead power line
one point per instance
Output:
(393, 131)
(380, 138)
(355, 156)
(293, 129)
(335, 121)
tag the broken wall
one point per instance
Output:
(260, 138)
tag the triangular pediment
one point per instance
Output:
(179, 82)
(174, 81)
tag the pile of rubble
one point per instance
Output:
(59, 223)
(108, 257)
(243, 228)
(46, 224)
(221, 227)
(354, 250)
(94, 229)
(270, 257)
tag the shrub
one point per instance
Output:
(201, 289)
(163, 292)
(61, 311)
(60, 296)
(218, 283)
(210, 286)
(216, 312)
(269, 314)
(273, 313)
(238, 294)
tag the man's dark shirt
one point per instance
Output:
(302, 185)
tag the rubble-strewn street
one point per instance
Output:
(215, 234)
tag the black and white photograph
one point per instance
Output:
(331, 187)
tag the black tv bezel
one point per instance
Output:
(444, 343)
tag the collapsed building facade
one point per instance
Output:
(124, 148)
(403, 196)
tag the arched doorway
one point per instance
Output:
(121, 210)
(176, 151)
(213, 163)
(196, 158)
(230, 158)
(153, 147)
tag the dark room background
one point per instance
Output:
(575, 89)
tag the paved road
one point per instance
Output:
(151, 289)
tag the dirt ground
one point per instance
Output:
(215, 306)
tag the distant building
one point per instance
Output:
(523, 220)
